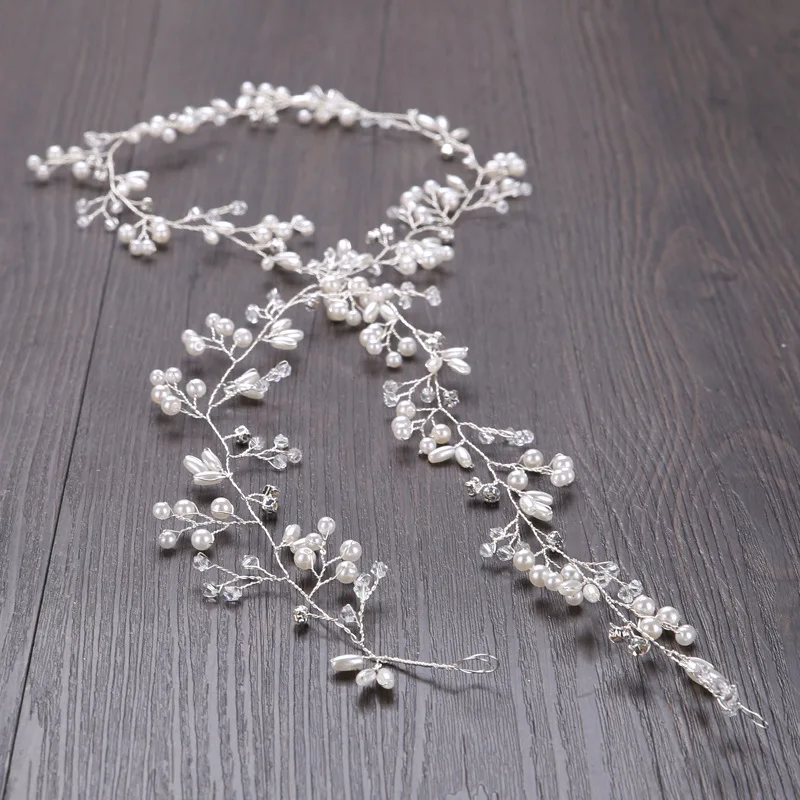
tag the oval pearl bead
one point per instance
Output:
(685, 635)
(517, 479)
(538, 575)
(531, 459)
(304, 558)
(644, 606)
(385, 678)
(167, 539)
(291, 533)
(441, 433)
(346, 572)
(366, 677)
(162, 510)
(524, 560)
(463, 457)
(202, 539)
(221, 508)
(651, 627)
(591, 593)
(669, 617)
(350, 550)
(347, 663)
(326, 525)
(441, 454)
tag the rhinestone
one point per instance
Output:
(490, 494)
(300, 615)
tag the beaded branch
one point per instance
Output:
(345, 283)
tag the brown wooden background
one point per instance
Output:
(639, 311)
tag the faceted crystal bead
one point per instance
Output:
(629, 592)
(348, 615)
(606, 572)
(361, 586)
(485, 436)
(496, 533)
(250, 562)
(450, 398)
(506, 553)
(379, 569)
(433, 296)
(210, 591)
(521, 438)
(294, 455)
(252, 314)
(258, 443)
(728, 699)
(487, 549)
(232, 593)
(490, 494)
(555, 539)
(280, 442)
(279, 461)
(201, 562)
(473, 486)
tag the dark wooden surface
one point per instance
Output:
(639, 311)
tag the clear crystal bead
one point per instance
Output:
(250, 562)
(238, 207)
(555, 539)
(201, 562)
(295, 455)
(391, 387)
(251, 314)
(629, 592)
(433, 296)
(348, 615)
(506, 553)
(390, 400)
(473, 486)
(280, 442)
(210, 591)
(379, 569)
(497, 533)
(485, 436)
(606, 572)
(521, 438)
(490, 494)
(450, 398)
(232, 593)
(258, 443)
(362, 585)
(638, 646)
(487, 549)
(279, 461)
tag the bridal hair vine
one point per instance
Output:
(345, 282)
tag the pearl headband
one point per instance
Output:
(418, 236)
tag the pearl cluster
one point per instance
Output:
(420, 237)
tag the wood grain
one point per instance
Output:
(639, 311)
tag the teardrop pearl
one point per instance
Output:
(441, 454)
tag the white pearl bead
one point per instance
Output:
(651, 627)
(405, 408)
(211, 320)
(55, 151)
(167, 539)
(326, 525)
(553, 582)
(563, 477)
(336, 310)
(644, 606)
(313, 541)
(517, 479)
(135, 248)
(161, 233)
(366, 677)
(348, 663)
(173, 375)
(531, 459)
(202, 539)
(242, 337)
(441, 454)
(426, 445)
(463, 457)
(195, 347)
(394, 360)
(157, 376)
(346, 572)
(195, 388)
(402, 428)
(350, 550)
(560, 461)
(291, 533)
(221, 508)
(353, 318)
(407, 347)
(162, 510)
(184, 508)
(81, 170)
(591, 593)
(33, 162)
(171, 406)
(685, 635)
(304, 558)
(441, 433)
(524, 560)
(374, 348)
(224, 326)
(574, 598)
(385, 678)
(159, 393)
(538, 575)
(570, 572)
(669, 617)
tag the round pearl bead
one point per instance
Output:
(669, 617)
(353, 318)
(350, 550)
(202, 539)
(441, 433)
(385, 678)
(591, 593)
(644, 606)
(685, 635)
(221, 508)
(402, 428)
(553, 582)
(538, 575)
(157, 376)
(561, 478)
(171, 406)
(569, 572)
(162, 510)
(531, 459)
(304, 558)
(167, 539)
(184, 508)
(561, 461)
(517, 479)
(211, 320)
(195, 388)
(195, 347)
(574, 598)
(314, 541)
(407, 347)
(374, 348)
(173, 375)
(336, 310)
(159, 393)
(242, 337)
(224, 327)
(651, 627)
(326, 526)
(405, 408)
(524, 560)
(81, 170)
(161, 233)
(394, 359)
(426, 446)
(346, 572)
